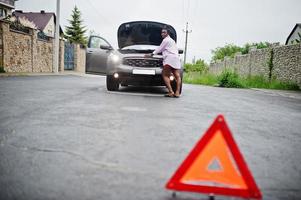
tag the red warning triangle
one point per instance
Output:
(215, 165)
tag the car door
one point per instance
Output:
(97, 55)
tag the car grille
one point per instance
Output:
(139, 62)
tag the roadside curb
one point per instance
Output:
(25, 74)
(8, 74)
(284, 93)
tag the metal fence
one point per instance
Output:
(69, 56)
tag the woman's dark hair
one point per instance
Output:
(166, 28)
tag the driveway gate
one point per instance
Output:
(69, 56)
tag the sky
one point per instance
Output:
(213, 23)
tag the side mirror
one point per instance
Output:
(105, 47)
(181, 51)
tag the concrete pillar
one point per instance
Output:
(61, 56)
(79, 59)
(1, 45)
(5, 33)
(235, 63)
(34, 51)
(299, 67)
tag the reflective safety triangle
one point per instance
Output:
(215, 165)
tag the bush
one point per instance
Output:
(195, 68)
(230, 79)
(200, 66)
(261, 45)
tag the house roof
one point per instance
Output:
(8, 3)
(297, 25)
(40, 19)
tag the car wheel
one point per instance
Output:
(174, 86)
(112, 83)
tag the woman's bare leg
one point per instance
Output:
(165, 75)
(177, 75)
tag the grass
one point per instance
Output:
(261, 82)
(233, 80)
(200, 79)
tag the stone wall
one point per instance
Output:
(17, 51)
(286, 63)
(24, 52)
(43, 56)
(216, 67)
(242, 65)
(258, 62)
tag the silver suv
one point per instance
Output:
(127, 65)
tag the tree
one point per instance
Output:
(230, 50)
(200, 66)
(221, 52)
(260, 45)
(201, 62)
(76, 31)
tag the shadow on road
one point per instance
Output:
(140, 90)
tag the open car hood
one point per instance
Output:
(142, 33)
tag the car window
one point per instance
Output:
(95, 42)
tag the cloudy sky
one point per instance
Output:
(213, 23)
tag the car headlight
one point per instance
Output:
(115, 58)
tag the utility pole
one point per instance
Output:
(186, 39)
(55, 66)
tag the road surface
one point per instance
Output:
(66, 137)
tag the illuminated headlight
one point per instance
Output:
(116, 75)
(171, 78)
(115, 58)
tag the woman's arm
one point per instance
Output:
(161, 48)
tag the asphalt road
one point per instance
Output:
(66, 137)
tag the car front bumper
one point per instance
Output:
(144, 76)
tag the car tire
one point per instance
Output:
(174, 86)
(112, 83)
